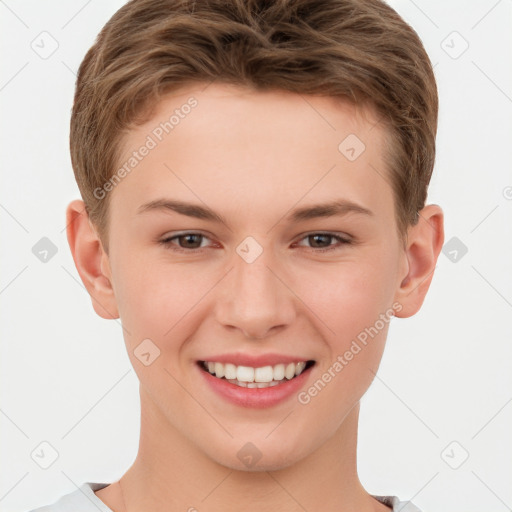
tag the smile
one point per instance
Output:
(261, 377)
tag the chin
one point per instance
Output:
(250, 458)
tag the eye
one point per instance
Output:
(187, 242)
(323, 239)
(191, 242)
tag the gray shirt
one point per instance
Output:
(84, 500)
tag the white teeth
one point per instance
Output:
(243, 373)
(238, 383)
(279, 372)
(289, 372)
(219, 370)
(254, 384)
(300, 368)
(262, 377)
(229, 371)
(264, 374)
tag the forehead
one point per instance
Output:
(229, 143)
(254, 113)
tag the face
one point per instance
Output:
(216, 253)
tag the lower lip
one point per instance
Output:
(258, 398)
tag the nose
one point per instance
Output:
(255, 298)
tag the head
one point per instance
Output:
(255, 112)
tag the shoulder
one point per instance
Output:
(396, 505)
(82, 499)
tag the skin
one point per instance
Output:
(252, 157)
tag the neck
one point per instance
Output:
(170, 473)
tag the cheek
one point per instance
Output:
(353, 301)
(349, 296)
(355, 312)
(356, 305)
(148, 295)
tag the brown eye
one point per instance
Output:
(190, 241)
(321, 242)
(187, 242)
(321, 239)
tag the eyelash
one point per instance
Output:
(167, 242)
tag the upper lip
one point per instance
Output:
(255, 361)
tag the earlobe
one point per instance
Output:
(90, 259)
(424, 243)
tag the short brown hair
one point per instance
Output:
(359, 50)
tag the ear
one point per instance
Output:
(424, 243)
(91, 260)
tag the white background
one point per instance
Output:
(446, 373)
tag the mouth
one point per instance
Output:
(256, 377)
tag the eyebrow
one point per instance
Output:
(337, 207)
